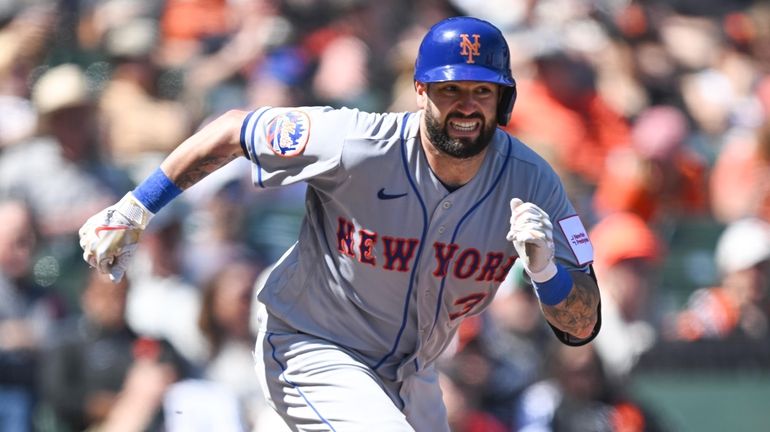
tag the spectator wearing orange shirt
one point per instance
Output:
(567, 118)
(658, 176)
(740, 180)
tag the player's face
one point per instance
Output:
(460, 116)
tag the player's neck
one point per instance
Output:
(451, 171)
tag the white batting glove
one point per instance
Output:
(532, 236)
(110, 237)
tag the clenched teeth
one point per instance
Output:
(464, 126)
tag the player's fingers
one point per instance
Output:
(517, 212)
(526, 225)
(89, 257)
(83, 231)
(533, 224)
(90, 250)
(511, 234)
(116, 272)
(103, 264)
(529, 219)
(529, 208)
(118, 268)
(532, 218)
(83, 239)
(534, 228)
(515, 203)
(529, 236)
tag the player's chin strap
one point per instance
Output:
(570, 340)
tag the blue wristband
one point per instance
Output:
(156, 191)
(554, 290)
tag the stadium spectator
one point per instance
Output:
(27, 313)
(162, 302)
(98, 373)
(131, 99)
(61, 172)
(676, 94)
(23, 36)
(627, 259)
(740, 305)
(658, 177)
(464, 414)
(563, 92)
(576, 396)
(225, 321)
(740, 180)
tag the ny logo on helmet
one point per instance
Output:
(470, 49)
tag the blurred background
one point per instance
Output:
(656, 114)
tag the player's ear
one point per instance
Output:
(421, 93)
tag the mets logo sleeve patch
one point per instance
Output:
(288, 134)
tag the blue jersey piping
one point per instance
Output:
(253, 150)
(408, 298)
(457, 229)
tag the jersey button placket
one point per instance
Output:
(446, 205)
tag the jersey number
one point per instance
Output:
(467, 304)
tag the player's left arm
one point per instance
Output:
(569, 298)
(578, 314)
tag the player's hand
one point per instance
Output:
(532, 236)
(110, 237)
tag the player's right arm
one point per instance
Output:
(209, 149)
(110, 237)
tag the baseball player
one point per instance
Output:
(413, 220)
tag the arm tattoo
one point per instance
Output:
(577, 314)
(202, 168)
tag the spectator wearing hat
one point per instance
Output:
(60, 171)
(739, 305)
(627, 253)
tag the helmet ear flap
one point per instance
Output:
(505, 106)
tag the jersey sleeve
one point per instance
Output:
(289, 145)
(573, 247)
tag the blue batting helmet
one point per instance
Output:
(468, 49)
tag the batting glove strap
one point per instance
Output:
(554, 290)
(546, 274)
(134, 211)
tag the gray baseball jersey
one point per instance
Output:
(388, 261)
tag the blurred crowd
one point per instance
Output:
(655, 113)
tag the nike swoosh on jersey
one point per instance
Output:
(386, 196)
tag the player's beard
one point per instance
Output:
(461, 148)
